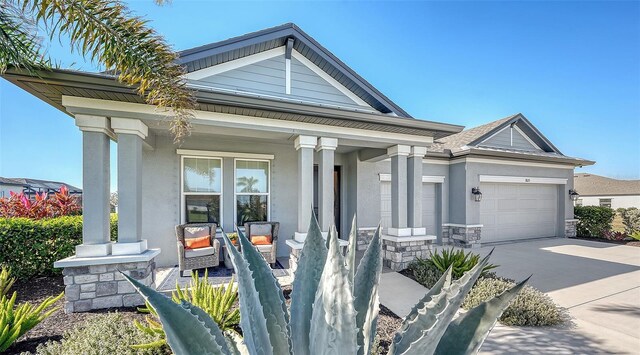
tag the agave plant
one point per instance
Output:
(334, 307)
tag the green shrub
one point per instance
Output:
(530, 307)
(30, 247)
(425, 272)
(104, 334)
(460, 260)
(218, 301)
(593, 221)
(16, 320)
(630, 219)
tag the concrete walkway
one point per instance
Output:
(598, 283)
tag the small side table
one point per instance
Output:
(227, 258)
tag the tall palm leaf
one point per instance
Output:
(106, 32)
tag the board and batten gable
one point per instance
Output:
(510, 138)
(268, 77)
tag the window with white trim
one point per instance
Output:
(252, 189)
(605, 202)
(202, 190)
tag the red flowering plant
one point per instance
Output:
(42, 206)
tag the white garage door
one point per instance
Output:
(428, 206)
(518, 211)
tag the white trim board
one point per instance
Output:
(135, 110)
(328, 78)
(522, 180)
(214, 154)
(526, 136)
(438, 179)
(235, 64)
(514, 163)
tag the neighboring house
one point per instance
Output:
(32, 186)
(282, 123)
(596, 190)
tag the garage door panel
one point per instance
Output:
(517, 211)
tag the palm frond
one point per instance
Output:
(19, 44)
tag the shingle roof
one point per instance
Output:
(37, 184)
(459, 140)
(596, 185)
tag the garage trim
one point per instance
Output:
(437, 179)
(522, 180)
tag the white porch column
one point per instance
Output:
(414, 191)
(398, 156)
(130, 134)
(326, 147)
(305, 146)
(96, 135)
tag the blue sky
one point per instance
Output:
(572, 68)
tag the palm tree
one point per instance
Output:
(107, 33)
(247, 183)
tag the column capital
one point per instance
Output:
(399, 150)
(305, 142)
(418, 152)
(129, 126)
(325, 143)
(89, 123)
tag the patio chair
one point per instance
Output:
(264, 228)
(191, 259)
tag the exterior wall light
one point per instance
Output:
(477, 195)
(574, 195)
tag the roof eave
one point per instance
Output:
(578, 162)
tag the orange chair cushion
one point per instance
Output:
(195, 243)
(261, 239)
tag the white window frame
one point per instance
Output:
(183, 202)
(236, 193)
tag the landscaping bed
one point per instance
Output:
(56, 325)
(629, 243)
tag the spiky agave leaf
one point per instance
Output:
(271, 297)
(333, 322)
(252, 319)
(366, 303)
(188, 329)
(351, 249)
(305, 283)
(422, 335)
(466, 333)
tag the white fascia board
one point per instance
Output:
(328, 78)
(136, 110)
(522, 180)
(235, 64)
(217, 154)
(425, 178)
(513, 163)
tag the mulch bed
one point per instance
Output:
(53, 328)
(629, 243)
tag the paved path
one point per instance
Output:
(598, 283)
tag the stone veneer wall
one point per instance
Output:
(364, 237)
(398, 254)
(570, 228)
(102, 286)
(294, 256)
(464, 236)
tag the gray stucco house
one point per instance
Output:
(284, 125)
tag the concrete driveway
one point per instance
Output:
(598, 283)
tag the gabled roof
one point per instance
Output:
(470, 141)
(238, 47)
(39, 185)
(596, 185)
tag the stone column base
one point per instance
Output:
(399, 252)
(461, 235)
(95, 283)
(570, 228)
(364, 237)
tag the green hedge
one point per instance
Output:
(594, 221)
(30, 247)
